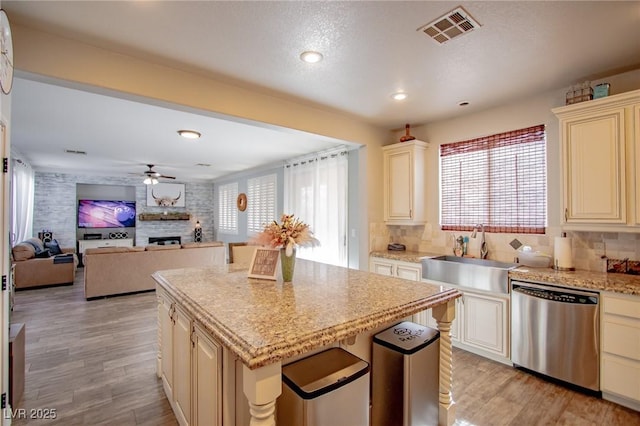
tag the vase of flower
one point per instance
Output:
(286, 235)
(288, 264)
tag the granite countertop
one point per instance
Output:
(404, 256)
(267, 321)
(602, 281)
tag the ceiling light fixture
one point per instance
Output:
(150, 180)
(399, 96)
(189, 134)
(311, 57)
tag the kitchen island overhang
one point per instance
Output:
(264, 323)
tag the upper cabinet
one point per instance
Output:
(600, 157)
(404, 183)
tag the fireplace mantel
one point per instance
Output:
(164, 216)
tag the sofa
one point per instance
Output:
(111, 271)
(37, 264)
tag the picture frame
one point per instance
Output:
(264, 264)
(166, 195)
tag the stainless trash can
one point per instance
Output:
(405, 374)
(327, 388)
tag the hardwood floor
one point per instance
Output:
(94, 363)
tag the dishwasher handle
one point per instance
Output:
(556, 294)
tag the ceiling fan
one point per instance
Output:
(151, 176)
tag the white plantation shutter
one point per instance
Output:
(227, 211)
(499, 181)
(261, 202)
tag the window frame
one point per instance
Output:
(503, 167)
(261, 189)
(227, 210)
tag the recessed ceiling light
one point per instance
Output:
(311, 57)
(399, 96)
(189, 134)
(463, 103)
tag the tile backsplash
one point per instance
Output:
(590, 250)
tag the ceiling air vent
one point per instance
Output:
(75, 151)
(449, 26)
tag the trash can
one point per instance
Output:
(405, 376)
(327, 388)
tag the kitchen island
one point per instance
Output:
(249, 328)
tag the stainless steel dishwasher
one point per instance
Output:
(555, 332)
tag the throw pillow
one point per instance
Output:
(54, 247)
(43, 254)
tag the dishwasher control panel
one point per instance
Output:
(556, 295)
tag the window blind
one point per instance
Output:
(499, 181)
(261, 208)
(227, 211)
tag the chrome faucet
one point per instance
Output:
(483, 244)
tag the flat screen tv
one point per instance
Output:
(106, 214)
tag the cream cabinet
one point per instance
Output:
(620, 361)
(206, 364)
(404, 183)
(166, 308)
(182, 366)
(599, 141)
(485, 323)
(189, 366)
(396, 268)
(481, 324)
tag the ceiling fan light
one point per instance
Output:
(189, 134)
(150, 180)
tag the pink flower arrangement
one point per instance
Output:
(287, 234)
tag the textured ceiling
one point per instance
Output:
(371, 50)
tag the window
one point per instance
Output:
(498, 181)
(227, 211)
(261, 209)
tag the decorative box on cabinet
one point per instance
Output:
(600, 145)
(404, 183)
(620, 361)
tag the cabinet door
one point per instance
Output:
(207, 390)
(594, 169)
(399, 184)
(382, 267)
(182, 366)
(165, 315)
(621, 376)
(409, 272)
(484, 322)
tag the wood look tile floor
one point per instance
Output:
(94, 363)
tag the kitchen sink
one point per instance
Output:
(479, 274)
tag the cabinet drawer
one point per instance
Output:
(621, 337)
(626, 306)
(621, 377)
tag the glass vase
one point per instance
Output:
(288, 264)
